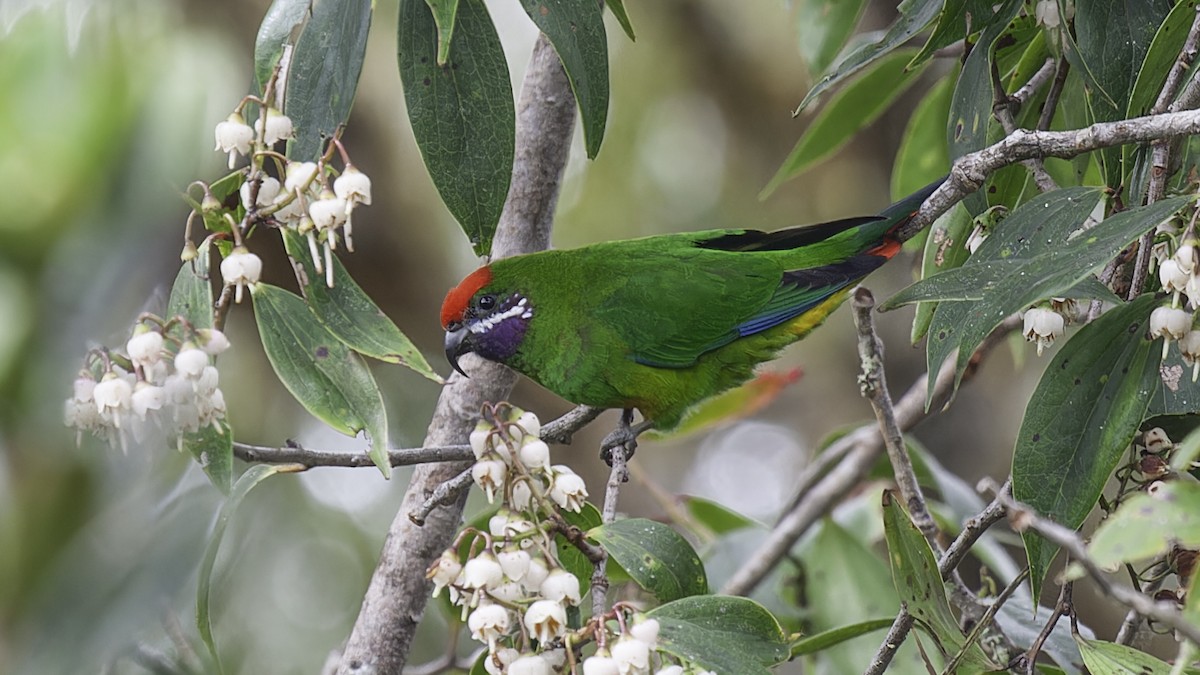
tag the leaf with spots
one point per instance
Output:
(349, 313)
(576, 29)
(1177, 393)
(1083, 414)
(917, 580)
(723, 634)
(1146, 526)
(323, 75)
(1109, 658)
(322, 373)
(655, 556)
(462, 113)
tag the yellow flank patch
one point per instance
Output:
(801, 325)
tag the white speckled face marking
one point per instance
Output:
(520, 309)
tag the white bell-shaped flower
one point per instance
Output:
(546, 620)
(1043, 326)
(240, 269)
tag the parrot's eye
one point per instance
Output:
(487, 302)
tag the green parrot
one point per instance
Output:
(662, 323)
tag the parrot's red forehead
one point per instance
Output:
(455, 304)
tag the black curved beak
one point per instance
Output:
(456, 346)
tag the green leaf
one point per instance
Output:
(737, 403)
(945, 249)
(971, 106)
(1176, 394)
(462, 113)
(1146, 526)
(253, 476)
(323, 74)
(225, 191)
(444, 13)
(655, 556)
(572, 559)
(1109, 658)
(349, 313)
(915, 16)
(212, 448)
(958, 19)
(1084, 412)
(822, 28)
(917, 580)
(721, 633)
(717, 517)
(923, 154)
(836, 636)
(321, 372)
(280, 27)
(576, 29)
(851, 109)
(617, 7)
(192, 294)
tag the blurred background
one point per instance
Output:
(107, 115)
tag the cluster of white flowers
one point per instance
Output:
(313, 198)
(1180, 276)
(513, 591)
(158, 383)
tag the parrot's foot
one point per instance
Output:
(625, 435)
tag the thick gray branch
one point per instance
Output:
(396, 597)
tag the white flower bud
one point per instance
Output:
(212, 341)
(1170, 323)
(145, 348)
(147, 397)
(444, 571)
(535, 575)
(328, 212)
(1043, 326)
(673, 669)
(190, 362)
(480, 439)
(530, 423)
(632, 656)
(299, 174)
(561, 586)
(600, 665)
(83, 389)
(530, 664)
(489, 475)
(499, 660)
(113, 397)
(568, 489)
(497, 524)
(268, 190)
(1185, 257)
(1047, 14)
(535, 454)
(509, 591)
(514, 563)
(278, 127)
(1156, 441)
(482, 571)
(1172, 276)
(646, 630)
(241, 268)
(488, 623)
(1189, 348)
(522, 495)
(546, 620)
(1192, 290)
(353, 186)
(234, 137)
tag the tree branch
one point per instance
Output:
(397, 594)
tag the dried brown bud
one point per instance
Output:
(1153, 466)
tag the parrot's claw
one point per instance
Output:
(625, 435)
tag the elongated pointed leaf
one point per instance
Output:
(822, 28)
(444, 14)
(1109, 658)
(324, 71)
(958, 19)
(253, 476)
(824, 640)
(576, 29)
(655, 556)
(717, 517)
(915, 574)
(192, 294)
(923, 153)
(1146, 526)
(945, 249)
(915, 16)
(1084, 412)
(350, 314)
(321, 372)
(617, 7)
(279, 28)
(971, 105)
(854, 107)
(721, 633)
(461, 113)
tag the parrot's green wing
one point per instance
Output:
(725, 285)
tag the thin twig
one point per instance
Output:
(1056, 88)
(1061, 607)
(1023, 518)
(1003, 110)
(970, 171)
(608, 514)
(561, 430)
(986, 620)
(1131, 626)
(873, 385)
(891, 642)
(444, 494)
(294, 453)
